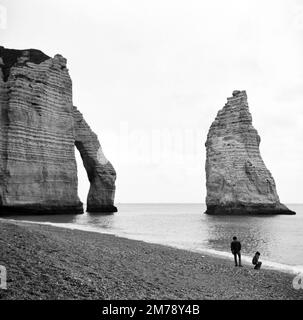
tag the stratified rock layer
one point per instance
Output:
(100, 171)
(237, 179)
(38, 171)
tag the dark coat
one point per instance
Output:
(235, 246)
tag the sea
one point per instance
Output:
(278, 238)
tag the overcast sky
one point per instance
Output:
(150, 76)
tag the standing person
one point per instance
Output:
(235, 247)
(256, 261)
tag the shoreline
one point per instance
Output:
(266, 264)
(47, 262)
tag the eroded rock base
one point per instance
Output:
(248, 209)
(36, 209)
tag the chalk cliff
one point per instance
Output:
(100, 171)
(38, 134)
(237, 179)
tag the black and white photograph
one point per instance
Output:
(151, 150)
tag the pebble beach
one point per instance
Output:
(46, 262)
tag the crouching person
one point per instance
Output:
(256, 262)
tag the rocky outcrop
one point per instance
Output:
(38, 133)
(237, 179)
(100, 171)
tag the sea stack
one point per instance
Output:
(39, 129)
(237, 179)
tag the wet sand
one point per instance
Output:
(45, 262)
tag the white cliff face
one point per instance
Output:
(101, 157)
(237, 179)
(38, 171)
(100, 171)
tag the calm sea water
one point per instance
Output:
(278, 238)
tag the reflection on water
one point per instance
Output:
(255, 234)
(96, 220)
(278, 238)
(64, 218)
